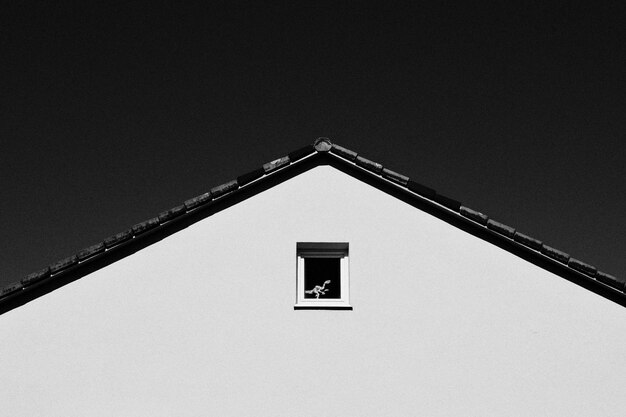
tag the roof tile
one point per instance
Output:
(448, 202)
(526, 240)
(343, 152)
(118, 238)
(90, 251)
(139, 228)
(225, 188)
(11, 288)
(610, 280)
(369, 165)
(250, 176)
(172, 213)
(421, 189)
(582, 267)
(474, 215)
(192, 203)
(301, 153)
(555, 253)
(63, 264)
(275, 164)
(36, 276)
(320, 145)
(395, 177)
(503, 229)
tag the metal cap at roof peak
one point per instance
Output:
(322, 144)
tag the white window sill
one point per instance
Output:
(319, 305)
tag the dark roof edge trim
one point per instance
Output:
(503, 230)
(58, 268)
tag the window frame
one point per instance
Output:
(306, 250)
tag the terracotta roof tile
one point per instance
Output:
(528, 241)
(275, 164)
(225, 188)
(36, 276)
(555, 253)
(503, 229)
(11, 288)
(582, 267)
(343, 152)
(90, 251)
(118, 238)
(395, 177)
(192, 203)
(369, 165)
(610, 280)
(477, 216)
(172, 213)
(63, 264)
(139, 228)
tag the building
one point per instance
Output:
(321, 284)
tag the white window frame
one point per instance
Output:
(323, 250)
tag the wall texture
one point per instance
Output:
(202, 323)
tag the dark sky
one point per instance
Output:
(114, 111)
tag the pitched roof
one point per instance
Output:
(322, 151)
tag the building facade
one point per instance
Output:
(426, 314)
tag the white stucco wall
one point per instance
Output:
(202, 323)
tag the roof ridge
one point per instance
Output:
(321, 145)
(191, 205)
(481, 219)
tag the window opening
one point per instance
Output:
(322, 275)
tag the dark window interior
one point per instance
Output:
(317, 273)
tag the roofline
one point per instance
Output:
(321, 152)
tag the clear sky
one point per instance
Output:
(111, 112)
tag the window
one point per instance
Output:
(322, 276)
